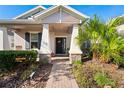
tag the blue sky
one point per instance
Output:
(105, 12)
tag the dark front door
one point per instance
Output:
(60, 45)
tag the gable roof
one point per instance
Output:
(72, 10)
(29, 11)
(44, 13)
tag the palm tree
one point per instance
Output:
(112, 43)
(93, 30)
(106, 43)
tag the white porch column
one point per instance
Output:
(75, 51)
(4, 39)
(6, 43)
(45, 50)
(1, 38)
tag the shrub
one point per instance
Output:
(10, 56)
(103, 80)
(81, 77)
(77, 62)
(118, 60)
(8, 59)
(31, 68)
(84, 74)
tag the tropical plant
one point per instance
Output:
(93, 29)
(103, 80)
(106, 44)
(77, 62)
(112, 43)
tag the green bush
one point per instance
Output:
(31, 68)
(103, 80)
(11, 55)
(118, 60)
(77, 62)
(8, 58)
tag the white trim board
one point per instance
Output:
(33, 9)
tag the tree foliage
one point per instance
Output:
(106, 43)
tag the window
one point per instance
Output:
(12, 42)
(34, 40)
(11, 39)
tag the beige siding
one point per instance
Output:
(60, 17)
(66, 17)
(120, 29)
(19, 40)
(53, 18)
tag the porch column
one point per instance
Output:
(45, 51)
(75, 51)
(1, 38)
(4, 39)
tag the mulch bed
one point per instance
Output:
(115, 72)
(12, 79)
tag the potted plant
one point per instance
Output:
(52, 54)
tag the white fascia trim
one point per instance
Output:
(29, 11)
(18, 21)
(75, 11)
(67, 7)
(47, 10)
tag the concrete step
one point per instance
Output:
(60, 59)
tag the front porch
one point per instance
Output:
(49, 39)
(52, 32)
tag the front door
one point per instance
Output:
(60, 45)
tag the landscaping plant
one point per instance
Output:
(103, 80)
(30, 69)
(91, 31)
(106, 43)
(77, 62)
(8, 59)
(112, 43)
(92, 75)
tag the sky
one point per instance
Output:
(105, 12)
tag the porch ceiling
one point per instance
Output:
(26, 27)
(59, 27)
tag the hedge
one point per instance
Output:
(13, 55)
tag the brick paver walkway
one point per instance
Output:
(61, 76)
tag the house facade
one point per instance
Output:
(51, 31)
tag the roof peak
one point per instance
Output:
(30, 10)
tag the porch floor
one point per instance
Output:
(61, 76)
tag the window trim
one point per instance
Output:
(36, 32)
